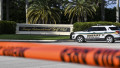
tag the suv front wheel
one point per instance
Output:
(110, 39)
(80, 39)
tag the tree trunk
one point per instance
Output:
(1, 9)
(71, 22)
(7, 10)
(117, 11)
(85, 17)
(26, 7)
(43, 22)
(78, 18)
(103, 10)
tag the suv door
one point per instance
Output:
(90, 35)
(96, 33)
(100, 32)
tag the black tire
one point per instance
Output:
(80, 39)
(110, 39)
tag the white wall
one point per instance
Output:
(1, 10)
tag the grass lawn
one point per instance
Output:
(32, 37)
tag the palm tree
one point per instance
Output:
(40, 10)
(26, 7)
(80, 9)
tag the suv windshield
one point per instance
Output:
(114, 28)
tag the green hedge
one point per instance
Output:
(79, 26)
(7, 27)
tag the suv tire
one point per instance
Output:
(80, 39)
(110, 39)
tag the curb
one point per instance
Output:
(47, 41)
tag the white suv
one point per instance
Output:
(108, 33)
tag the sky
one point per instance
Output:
(112, 5)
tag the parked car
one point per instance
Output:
(108, 33)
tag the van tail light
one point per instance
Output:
(118, 32)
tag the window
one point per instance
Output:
(114, 28)
(101, 29)
(97, 29)
(90, 29)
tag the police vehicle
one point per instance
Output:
(108, 33)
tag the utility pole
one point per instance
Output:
(1, 9)
(26, 7)
(117, 11)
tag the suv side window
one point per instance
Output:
(90, 29)
(97, 29)
(114, 28)
(101, 29)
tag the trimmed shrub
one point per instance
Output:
(7, 27)
(80, 26)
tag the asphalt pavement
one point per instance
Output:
(14, 62)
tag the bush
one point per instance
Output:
(80, 26)
(7, 27)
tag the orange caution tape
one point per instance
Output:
(75, 54)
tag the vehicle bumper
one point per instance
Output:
(71, 35)
(118, 38)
